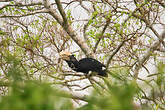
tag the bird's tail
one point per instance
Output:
(103, 73)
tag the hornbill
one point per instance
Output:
(84, 65)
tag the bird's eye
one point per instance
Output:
(72, 65)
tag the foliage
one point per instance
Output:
(125, 35)
(32, 95)
(118, 98)
(24, 94)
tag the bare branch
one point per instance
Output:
(62, 12)
(116, 50)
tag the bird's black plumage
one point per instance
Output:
(85, 65)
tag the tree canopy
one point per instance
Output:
(125, 35)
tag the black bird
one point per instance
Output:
(84, 65)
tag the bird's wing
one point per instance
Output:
(90, 62)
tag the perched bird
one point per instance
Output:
(84, 65)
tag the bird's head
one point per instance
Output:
(65, 55)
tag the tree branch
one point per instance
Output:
(146, 56)
(78, 40)
(24, 15)
(146, 21)
(20, 5)
(101, 36)
(116, 50)
(62, 12)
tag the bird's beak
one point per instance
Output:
(65, 55)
